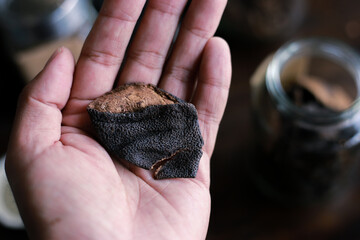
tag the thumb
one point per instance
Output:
(38, 119)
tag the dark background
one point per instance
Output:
(239, 211)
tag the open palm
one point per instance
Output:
(65, 183)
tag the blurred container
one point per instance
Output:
(9, 214)
(33, 29)
(262, 20)
(306, 105)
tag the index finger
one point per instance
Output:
(104, 48)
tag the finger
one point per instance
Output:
(38, 118)
(198, 27)
(104, 48)
(211, 93)
(148, 51)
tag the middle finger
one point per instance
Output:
(148, 51)
(199, 25)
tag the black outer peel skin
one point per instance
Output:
(155, 133)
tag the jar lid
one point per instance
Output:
(333, 51)
(30, 22)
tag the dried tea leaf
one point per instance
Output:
(150, 128)
(331, 95)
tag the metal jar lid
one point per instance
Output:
(30, 22)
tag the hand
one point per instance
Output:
(65, 184)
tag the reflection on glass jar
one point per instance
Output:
(306, 107)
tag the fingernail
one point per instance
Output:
(55, 54)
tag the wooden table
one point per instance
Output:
(239, 211)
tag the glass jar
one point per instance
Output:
(306, 108)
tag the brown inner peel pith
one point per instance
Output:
(159, 164)
(131, 98)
